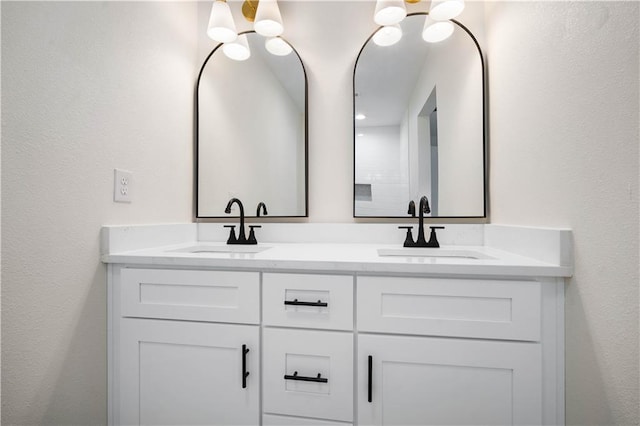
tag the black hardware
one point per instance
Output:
(412, 208)
(262, 206)
(370, 380)
(296, 302)
(245, 373)
(408, 241)
(252, 235)
(433, 238)
(242, 239)
(420, 241)
(232, 234)
(295, 376)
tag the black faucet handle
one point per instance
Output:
(232, 234)
(408, 241)
(252, 234)
(412, 208)
(433, 238)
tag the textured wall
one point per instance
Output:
(564, 152)
(86, 87)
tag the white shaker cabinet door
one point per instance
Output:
(435, 381)
(188, 373)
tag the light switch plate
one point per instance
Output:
(122, 182)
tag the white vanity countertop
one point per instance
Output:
(359, 258)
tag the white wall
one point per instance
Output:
(86, 87)
(564, 152)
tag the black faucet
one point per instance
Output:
(242, 239)
(262, 206)
(421, 241)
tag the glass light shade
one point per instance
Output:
(388, 35)
(442, 10)
(221, 27)
(360, 116)
(268, 21)
(237, 50)
(389, 12)
(435, 31)
(277, 46)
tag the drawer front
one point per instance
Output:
(217, 296)
(307, 300)
(273, 420)
(492, 309)
(304, 354)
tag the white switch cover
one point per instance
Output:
(122, 186)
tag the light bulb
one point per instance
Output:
(277, 46)
(389, 12)
(442, 10)
(237, 50)
(388, 35)
(221, 27)
(268, 21)
(435, 31)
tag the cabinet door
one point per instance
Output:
(187, 373)
(434, 381)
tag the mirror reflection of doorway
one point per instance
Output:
(428, 151)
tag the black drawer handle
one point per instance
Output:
(295, 376)
(370, 380)
(245, 373)
(296, 302)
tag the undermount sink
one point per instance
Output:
(223, 249)
(432, 252)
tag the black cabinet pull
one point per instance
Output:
(296, 302)
(317, 379)
(370, 376)
(245, 373)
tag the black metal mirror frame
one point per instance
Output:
(197, 217)
(484, 129)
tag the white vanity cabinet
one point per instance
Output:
(170, 363)
(333, 347)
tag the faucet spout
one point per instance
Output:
(424, 208)
(262, 206)
(242, 239)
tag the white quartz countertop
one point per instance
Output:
(343, 257)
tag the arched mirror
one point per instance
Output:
(251, 132)
(419, 125)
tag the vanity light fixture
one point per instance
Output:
(237, 50)
(360, 116)
(442, 10)
(221, 27)
(436, 31)
(277, 46)
(267, 21)
(437, 26)
(389, 12)
(388, 35)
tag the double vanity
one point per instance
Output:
(336, 324)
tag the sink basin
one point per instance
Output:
(223, 249)
(433, 252)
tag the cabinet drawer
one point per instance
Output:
(492, 309)
(289, 299)
(273, 420)
(218, 296)
(304, 354)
